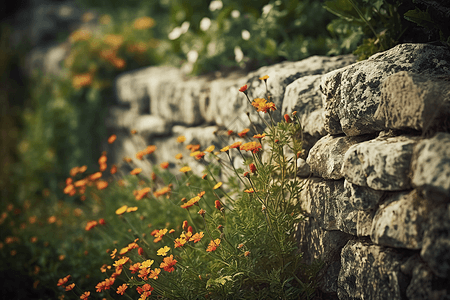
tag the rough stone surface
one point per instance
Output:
(303, 169)
(362, 197)
(323, 245)
(381, 164)
(371, 272)
(425, 285)
(351, 95)
(178, 101)
(436, 241)
(151, 125)
(415, 101)
(431, 167)
(303, 95)
(330, 205)
(364, 223)
(326, 156)
(283, 74)
(121, 117)
(400, 221)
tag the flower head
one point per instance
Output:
(112, 138)
(163, 251)
(287, 118)
(243, 88)
(213, 245)
(168, 264)
(197, 237)
(243, 132)
(185, 169)
(164, 165)
(121, 210)
(251, 146)
(121, 289)
(181, 139)
(136, 171)
(265, 77)
(218, 185)
(217, 204)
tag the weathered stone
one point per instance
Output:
(303, 95)
(371, 272)
(303, 169)
(436, 241)
(381, 164)
(47, 59)
(150, 125)
(351, 95)
(322, 245)
(425, 285)
(121, 117)
(178, 101)
(362, 197)
(283, 74)
(431, 167)
(415, 101)
(364, 223)
(399, 222)
(132, 88)
(330, 205)
(326, 156)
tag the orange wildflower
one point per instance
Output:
(136, 171)
(243, 88)
(213, 245)
(80, 183)
(246, 253)
(133, 131)
(243, 132)
(185, 169)
(159, 235)
(249, 191)
(210, 148)
(179, 242)
(121, 289)
(146, 288)
(85, 295)
(90, 225)
(70, 287)
(102, 185)
(164, 165)
(181, 139)
(95, 176)
(121, 262)
(225, 149)
(113, 169)
(217, 204)
(142, 193)
(251, 146)
(127, 159)
(163, 191)
(135, 267)
(197, 237)
(68, 189)
(121, 210)
(163, 251)
(112, 139)
(143, 23)
(81, 80)
(131, 209)
(265, 77)
(191, 202)
(154, 273)
(218, 185)
(236, 145)
(63, 281)
(252, 168)
(259, 136)
(202, 212)
(168, 264)
(287, 118)
(179, 156)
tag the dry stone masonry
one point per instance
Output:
(377, 166)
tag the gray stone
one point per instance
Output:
(151, 125)
(425, 285)
(381, 164)
(303, 169)
(351, 95)
(322, 245)
(47, 59)
(431, 167)
(362, 197)
(121, 117)
(400, 222)
(326, 156)
(303, 95)
(133, 89)
(177, 100)
(436, 241)
(415, 101)
(371, 272)
(364, 223)
(330, 205)
(283, 74)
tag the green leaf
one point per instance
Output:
(343, 9)
(419, 17)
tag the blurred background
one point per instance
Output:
(59, 60)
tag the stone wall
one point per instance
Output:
(377, 171)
